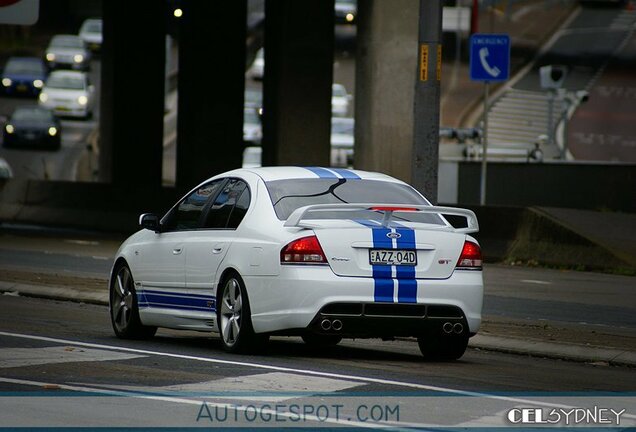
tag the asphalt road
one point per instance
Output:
(61, 351)
(592, 299)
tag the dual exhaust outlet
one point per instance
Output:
(456, 328)
(327, 324)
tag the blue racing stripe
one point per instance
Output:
(382, 275)
(321, 172)
(346, 174)
(407, 285)
(176, 301)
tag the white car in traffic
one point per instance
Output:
(91, 33)
(67, 51)
(340, 100)
(322, 253)
(68, 94)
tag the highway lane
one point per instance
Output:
(534, 294)
(68, 349)
(60, 165)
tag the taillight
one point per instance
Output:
(470, 257)
(304, 250)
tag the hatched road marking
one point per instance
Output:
(19, 357)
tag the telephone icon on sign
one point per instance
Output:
(492, 71)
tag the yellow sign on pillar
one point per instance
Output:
(424, 62)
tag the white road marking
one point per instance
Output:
(82, 242)
(258, 387)
(19, 357)
(271, 412)
(538, 282)
(300, 371)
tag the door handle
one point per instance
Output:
(177, 251)
(217, 250)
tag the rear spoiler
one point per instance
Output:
(301, 213)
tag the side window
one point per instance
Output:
(242, 203)
(221, 212)
(188, 214)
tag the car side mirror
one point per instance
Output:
(91, 88)
(150, 221)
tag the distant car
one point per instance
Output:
(346, 11)
(252, 157)
(91, 33)
(252, 130)
(67, 51)
(315, 252)
(5, 170)
(32, 126)
(339, 100)
(68, 93)
(257, 70)
(342, 140)
(254, 99)
(23, 76)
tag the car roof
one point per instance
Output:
(25, 59)
(297, 172)
(68, 73)
(60, 37)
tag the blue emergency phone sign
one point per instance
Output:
(489, 57)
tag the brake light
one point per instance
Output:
(470, 257)
(306, 250)
(407, 209)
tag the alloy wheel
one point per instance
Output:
(231, 312)
(122, 304)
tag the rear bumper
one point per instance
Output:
(387, 320)
(296, 301)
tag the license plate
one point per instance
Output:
(62, 108)
(392, 257)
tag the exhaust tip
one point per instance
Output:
(336, 325)
(447, 327)
(325, 324)
(458, 328)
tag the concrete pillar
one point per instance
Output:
(425, 152)
(386, 63)
(132, 93)
(299, 43)
(211, 89)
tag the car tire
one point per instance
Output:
(319, 340)
(234, 318)
(123, 307)
(443, 347)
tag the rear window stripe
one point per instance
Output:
(346, 174)
(322, 172)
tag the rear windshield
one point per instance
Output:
(24, 67)
(289, 195)
(32, 114)
(65, 82)
(67, 42)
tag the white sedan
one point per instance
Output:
(322, 253)
(68, 94)
(67, 51)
